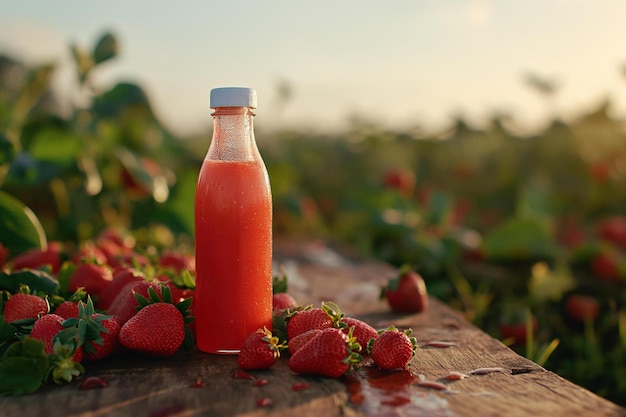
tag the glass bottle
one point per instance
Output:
(233, 229)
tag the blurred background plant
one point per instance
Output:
(526, 234)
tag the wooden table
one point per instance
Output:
(197, 384)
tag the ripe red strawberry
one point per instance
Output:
(46, 328)
(606, 267)
(582, 307)
(110, 340)
(331, 353)
(24, 306)
(157, 329)
(178, 262)
(406, 293)
(92, 277)
(302, 321)
(36, 258)
(392, 349)
(517, 331)
(363, 332)
(125, 304)
(401, 180)
(259, 351)
(302, 339)
(613, 229)
(67, 309)
(282, 301)
(120, 279)
(89, 252)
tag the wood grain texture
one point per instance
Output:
(141, 386)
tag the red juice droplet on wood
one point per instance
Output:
(198, 383)
(300, 386)
(261, 382)
(243, 375)
(93, 382)
(264, 402)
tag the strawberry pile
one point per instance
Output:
(63, 307)
(323, 341)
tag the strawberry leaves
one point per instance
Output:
(62, 366)
(87, 327)
(23, 367)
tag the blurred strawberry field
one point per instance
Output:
(526, 234)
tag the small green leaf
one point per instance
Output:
(279, 283)
(20, 229)
(106, 48)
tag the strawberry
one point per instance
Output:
(282, 301)
(36, 258)
(131, 258)
(115, 237)
(259, 351)
(401, 180)
(62, 345)
(24, 306)
(406, 293)
(582, 307)
(92, 277)
(331, 353)
(110, 339)
(302, 339)
(125, 304)
(177, 261)
(363, 332)
(89, 252)
(157, 330)
(392, 349)
(606, 266)
(302, 321)
(517, 331)
(613, 229)
(46, 328)
(67, 309)
(120, 279)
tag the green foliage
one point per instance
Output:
(23, 367)
(20, 228)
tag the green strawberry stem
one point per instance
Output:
(274, 343)
(62, 366)
(335, 314)
(354, 359)
(88, 324)
(166, 297)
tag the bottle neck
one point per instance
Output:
(233, 135)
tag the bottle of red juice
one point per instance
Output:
(233, 229)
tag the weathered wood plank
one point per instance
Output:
(140, 386)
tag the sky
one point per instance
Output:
(398, 64)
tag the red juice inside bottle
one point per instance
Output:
(233, 236)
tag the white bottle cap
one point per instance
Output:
(233, 97)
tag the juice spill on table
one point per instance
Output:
(378, 392)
